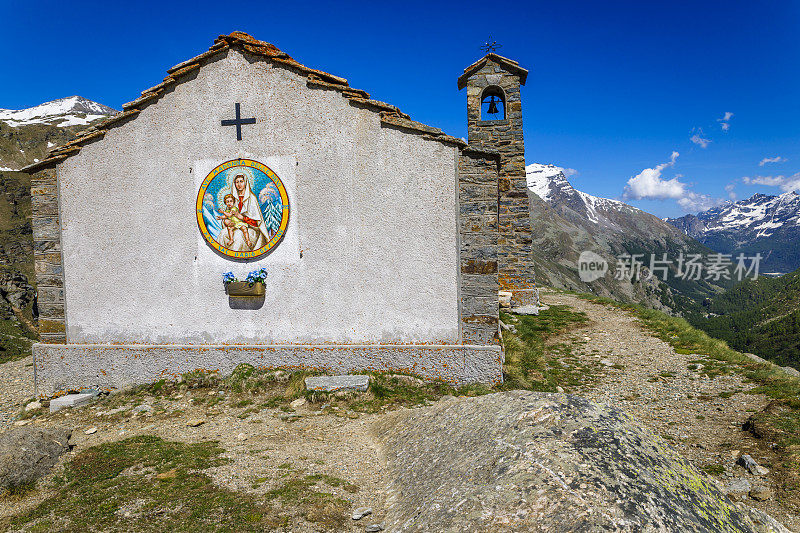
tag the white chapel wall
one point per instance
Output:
(370, 255)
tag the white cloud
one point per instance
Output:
(786, 184)
(649, 184)
(792, 183)
(693, 201)
(569, 172)
(776, 159)
(730, 189)
(724, 122)
(770, 181)
(698, 138)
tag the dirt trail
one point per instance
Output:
(644, 376)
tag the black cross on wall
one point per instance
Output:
(238, 122)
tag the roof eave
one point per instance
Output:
(267, 51)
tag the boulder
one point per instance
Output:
(523, 461)
(751, 465)
(28, 453)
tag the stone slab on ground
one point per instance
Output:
(504, 297)
(70, 400)
(526, 310)
(337, 383)
(738, 484)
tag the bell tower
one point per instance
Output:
(494, 121)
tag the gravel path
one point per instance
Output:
(646, 378)
(16, 386)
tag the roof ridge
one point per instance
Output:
(390, 115)
(510, 65)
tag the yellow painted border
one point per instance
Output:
(252, 254)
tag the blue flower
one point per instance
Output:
(259, 275)
(228, 277)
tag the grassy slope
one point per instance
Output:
(760, 317)
(147, 484)
(161, 485)
(533, 365)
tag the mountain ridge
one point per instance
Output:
(61, 112)
(566, 222)
(26, 135)
(765, 224)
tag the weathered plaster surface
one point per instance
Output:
(373, 258)
(74, 366)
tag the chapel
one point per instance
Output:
(250, 209)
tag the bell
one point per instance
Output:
(492, 107)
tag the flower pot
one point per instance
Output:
(243, 288)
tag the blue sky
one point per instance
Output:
(615, 88)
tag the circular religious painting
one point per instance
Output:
(242, 209)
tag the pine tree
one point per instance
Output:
(273, 212)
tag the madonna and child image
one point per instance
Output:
(242, 209)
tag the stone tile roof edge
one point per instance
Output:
(509, 64)
(485, 152)
(252, 46)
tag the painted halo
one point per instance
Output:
(258, 219)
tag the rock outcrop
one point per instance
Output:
(28, 453)
(522, 461)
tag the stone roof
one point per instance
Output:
(259, 50)
(509, 64)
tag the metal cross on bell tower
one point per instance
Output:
(491, 46)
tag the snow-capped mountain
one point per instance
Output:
(70, 111)
(551, 185)
(762, 223)
(567, 221)
(26, 135)
(757, 217)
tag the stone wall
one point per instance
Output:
(478, 223)
(47, 257)
(64, 367)
(504, 136)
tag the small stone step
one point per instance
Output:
(70, 400)
(337, 383)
